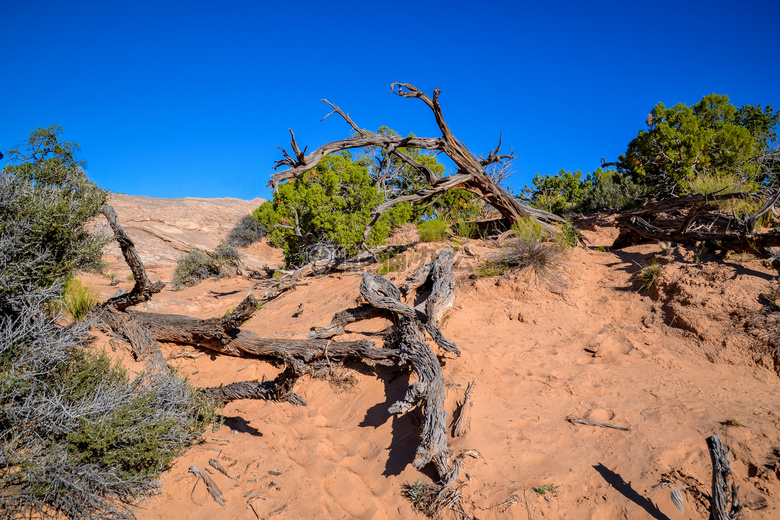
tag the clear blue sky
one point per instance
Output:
(175, 99)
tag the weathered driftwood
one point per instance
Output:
(590, 422)
(383, 294)
(214, 463)
(722, 493)
(211, 486)
(471, 173)
(344, 318)
(143, 289)
(699, 219)
(209, 333)
(417, 279)
(279, 389)
(412, 324)
(143, 346)
(463, 419)
(238, 342)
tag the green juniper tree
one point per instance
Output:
(711, 137)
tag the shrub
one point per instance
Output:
(199, 265)
(467, 229)
(247, 231)
(78, 299)
(83, 438)
(569, 235)
(557, 193)
(610, 190)
(331, 203)
(433, 230)
(45, 204)
(711, 136)
(529, 230)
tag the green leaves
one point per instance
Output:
(45, 203)
(712, 136)
(557, 193)
(331, 203)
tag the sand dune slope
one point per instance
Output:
(672, 369)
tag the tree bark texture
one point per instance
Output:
(722, 493)
(143, 289)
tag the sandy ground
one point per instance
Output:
(672, 366)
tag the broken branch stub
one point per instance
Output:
(722, 493)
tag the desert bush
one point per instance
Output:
(193, 268)
(710, 137)
(44, 206)
(198, 265)
(78, 437)
(433, 230)
(331, 203)
(78, 299)
(529, 230)
(557, 193)
(610, 190)
(467, 229)
(568, 236)
(247, 231)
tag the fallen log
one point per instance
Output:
(412, 324)
(278, 389)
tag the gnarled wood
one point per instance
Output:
(463, 420)
(722, 493)
(279, 389)
(471, 174)
(143, 289)
(212, 333)
(142, 344)
(412, 323)
(344, 318)
(238, 342)
(429, 392)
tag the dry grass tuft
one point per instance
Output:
(431, 499)
(545, 260)
(649, 275)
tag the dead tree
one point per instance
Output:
(701, 219)
(471, 172)
(142, 330)
(412, 325)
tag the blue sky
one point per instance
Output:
(181, 99)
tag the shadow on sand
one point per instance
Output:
(617, 482)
